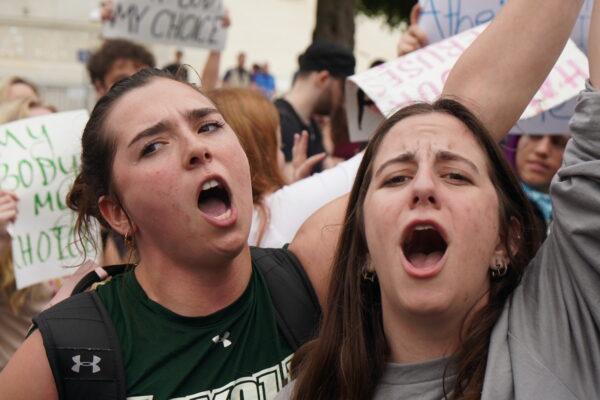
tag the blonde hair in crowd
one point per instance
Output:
(8, 289)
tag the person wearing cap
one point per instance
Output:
(317, 90)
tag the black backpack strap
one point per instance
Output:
(83, 349)
(296, 305)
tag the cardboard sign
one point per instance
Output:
(420, 76)
(39, 158)
(441, 19)
(185, 23)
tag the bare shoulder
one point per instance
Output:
(29, 364)
(316, 242)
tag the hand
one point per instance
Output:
(414, 38)
(301, 165)
(8, 210)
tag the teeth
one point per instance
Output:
(225, 215)
(423, 227)
(210, 184)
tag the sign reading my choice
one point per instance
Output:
(39, 159)
(192, 23)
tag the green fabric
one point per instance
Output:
(167, 355)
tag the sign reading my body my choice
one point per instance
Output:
(39, 158)
(191, 23)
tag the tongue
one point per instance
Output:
(213, 206)
(422, 260)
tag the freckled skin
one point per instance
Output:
(160, 191)
(468, 212)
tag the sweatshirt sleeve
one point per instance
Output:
(555, 313)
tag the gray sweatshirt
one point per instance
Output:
(546, 344)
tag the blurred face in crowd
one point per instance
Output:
(174, 176)
(241, 60)
(431, 218)
(538, 158)
(20, 91)
(120, 69)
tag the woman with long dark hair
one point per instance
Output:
(436, 290)
(161, 168)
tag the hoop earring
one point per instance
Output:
(500, 269)
(368, 275)
(128, 239)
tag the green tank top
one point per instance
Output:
(235, 353)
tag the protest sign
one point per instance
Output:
(552, 122)
(444, 18)
(441, 19)
(39, 158)
(420, 76)
(192, 23)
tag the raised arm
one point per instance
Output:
(210, 73)
(497, 76)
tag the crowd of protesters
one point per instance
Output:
(250, 250)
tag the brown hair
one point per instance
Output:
(115, 49)
(348, 358)
(97, 154)
(255, 121)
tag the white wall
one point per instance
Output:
(39, 40)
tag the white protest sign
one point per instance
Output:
(39, 158)
(441, 19)
(188, 23)
(420, 76)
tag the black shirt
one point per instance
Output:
(291, 123)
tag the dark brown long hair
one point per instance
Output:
(348, 358)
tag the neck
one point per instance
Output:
(418, 338)
(194, 291)
(410, 341)
(302, 98)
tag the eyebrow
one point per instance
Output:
(443, 155)
(161, 126)
(404, 157)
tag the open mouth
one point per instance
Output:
(424, 246)
(214, 199)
